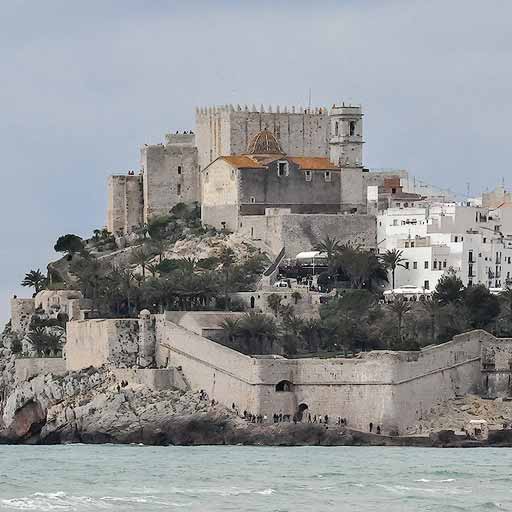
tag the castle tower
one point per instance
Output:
(346, 136)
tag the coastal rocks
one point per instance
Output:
(92, 407)
(455, 413)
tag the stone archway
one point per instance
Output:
(301, 411)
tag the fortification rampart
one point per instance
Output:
(390, 389)
(100, 342)
(226, 375)
(156, 379)
(26, 368)
(21, 314)
(301, 232)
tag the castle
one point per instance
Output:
(394, 390)
(281, 176)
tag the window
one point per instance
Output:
(282, 169)
(336, 128)
(412, 244)
(179, 169)
(284, 385)
(435, 264)
(178, 190)
(426, 264)
(253, 199)
(406, 265)
(393, 190)
(426, 284)
(485, 240)
(470, 282)
(415, 265)
(406, 245)
(352, 128)
(395, 222)
(470, 256)
(327, 175)
(456, 239)
(308, 175)
(444, 264)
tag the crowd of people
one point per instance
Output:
(303, 417)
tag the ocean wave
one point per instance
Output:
(407, 490)
(231, 491)
(490, 505)
(60, 501)
(426, 480)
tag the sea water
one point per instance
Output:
(236, 478)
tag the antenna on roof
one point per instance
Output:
(309, 100)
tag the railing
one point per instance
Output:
(269, 275)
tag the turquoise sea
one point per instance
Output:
(139, 478)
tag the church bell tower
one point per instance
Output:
(346, 138)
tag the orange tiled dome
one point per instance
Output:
(264, 143)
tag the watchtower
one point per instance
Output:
(346, 137)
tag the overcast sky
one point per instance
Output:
(84, 84)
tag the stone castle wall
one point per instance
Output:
(226, 375)
(227, 130)
(21, 314)
(171, 175)
(99, 342)
(27, 368)
(390, 389)
(301, 232)
(125, 203)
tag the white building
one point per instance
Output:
(474, 242)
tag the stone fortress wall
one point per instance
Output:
(390, 389)
(301, 232)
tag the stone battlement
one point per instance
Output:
(270, 109)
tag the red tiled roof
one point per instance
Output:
(303, 162)
(242, 162)
(312, 163)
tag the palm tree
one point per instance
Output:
(53, 343)
(227, 260)
(140, 258)
(152, 268)
(35, 279)
(362, 268)
(188, 264)
(311, 332)
(274, 303)
(159, 247)
(330, 246)
(400, 307)
(392, 259)
(231, 330)
(296, 296)
(256, 329)
(39, 340)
